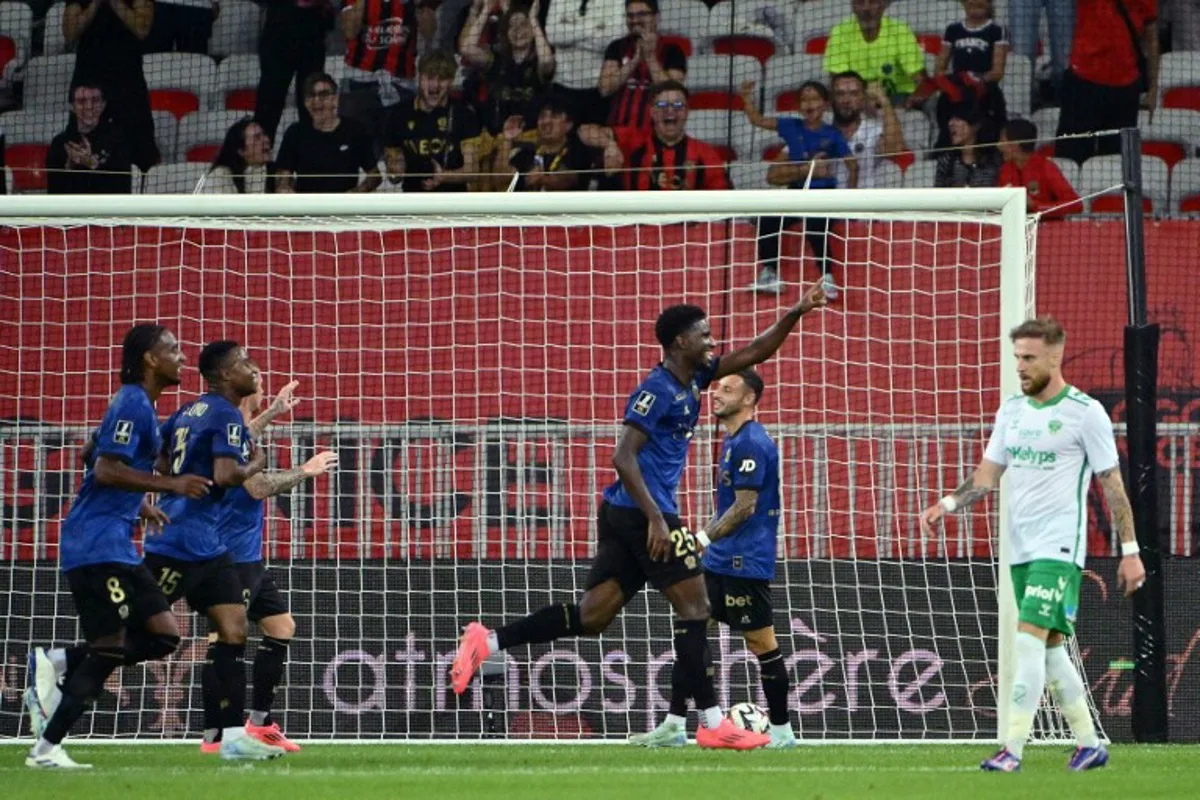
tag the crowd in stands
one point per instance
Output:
(495, 95)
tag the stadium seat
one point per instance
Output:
(201, 134)
(1179, 80)
(750, 175)
(335, 65)
(920, 175)
(1069, 169)
(888, 174)
(1104, 172)
(174, 178)
(592, 29)
(47, 81)
(10, 61)
(53, 41)
(1017, 85)
(1172, 134)
(236, 29)
(166, 131)
(1046, 120)
(758, 47)
(33, 127)
(713, 81)
(815, 46)
(237, 82)
(725, 128)
(732, 18)
(180, 82)
(578, 69)
(684, 43)
(918, 131)
(1185, 187)
(815, 18)
(16, 40)
(8, 181)
(28, 163)
(680, 18)
(784, 74)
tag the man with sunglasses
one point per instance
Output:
(664, 159)
(635, 63)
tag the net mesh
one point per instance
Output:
(472, 380)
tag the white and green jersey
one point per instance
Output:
(1050, 451)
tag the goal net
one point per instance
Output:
(469, 358)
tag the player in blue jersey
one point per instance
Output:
(640, 535)
(123, 616)
(208, 437)
(266, 605)
(739, 553)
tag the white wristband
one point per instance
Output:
(948, 504)
(1130, 548)
(703, 539)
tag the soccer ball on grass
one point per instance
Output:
(749, 717)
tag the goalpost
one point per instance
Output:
(469, 357)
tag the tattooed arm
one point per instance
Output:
(744, 501)
(981, 483)
(1131, 574)
(269, 484)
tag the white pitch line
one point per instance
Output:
(289, 771)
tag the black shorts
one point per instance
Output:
(621, 552)
(110, 597)
(203, 583)
(744, 604)
(259, 592)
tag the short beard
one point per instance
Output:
(1036, 385)
(839, 119)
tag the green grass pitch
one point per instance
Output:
(607, 772)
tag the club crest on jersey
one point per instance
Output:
(644, 402)
(1054, 426)
(123, 433)
(233, 435)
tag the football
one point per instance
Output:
(750, 717)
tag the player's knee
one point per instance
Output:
(761, 641)
(280, 626)
(596, 616)
(231, 627)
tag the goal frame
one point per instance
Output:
(1005, 206)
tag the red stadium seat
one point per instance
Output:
(178, 101)
(1170, 152)
(771, 152)
(903, 160)
(1190, 204)
(1115, 204)
(931, 43)
(28, 164)
(202, 153)
(722, 101)
(726, 152)
(816, 45)
(685, 44)
(788, 101)
(756, 46)
(241, 100)
(1182, 97)
(8, 51)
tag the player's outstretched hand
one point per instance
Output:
(658, 540)
(931, 517)
(320, 463)
(193, 486)
(153, 518)
(814, 297)
(1131, 574)
(286, 399)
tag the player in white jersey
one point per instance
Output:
(1050, 440)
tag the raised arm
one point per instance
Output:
(352, 19)
(982, 482)
(1131, 574)
(751, 110)
(625, 462)
(269, 484)
(137, 16)
(769, 341)
(284, 402)
(77, 19)
(545, 53)
(473, 52)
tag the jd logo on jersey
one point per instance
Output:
(1054, 426)
(123, 433)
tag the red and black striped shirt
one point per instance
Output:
(631, 103)
(386, 40)
(655, 166)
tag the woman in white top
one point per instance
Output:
(242, 164)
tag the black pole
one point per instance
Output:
(1150, 708)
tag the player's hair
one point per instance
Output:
(139, 341)
(213, 356)
(675, 320)
(1048, 329)
(1022, 131)
(754, 381)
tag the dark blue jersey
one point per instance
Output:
(243, 526)
(666, 411)
(749, 460)
(204, 430)
(99, 528)
(805, 144)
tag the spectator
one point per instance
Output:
(879, 48)
(970, 162)
(1024, 23)
(434, 145)
(384, 40)
(868, 123)
(635, 63)
(242, 165)
(182, 25)
(109, 38)
(517, 68)
(1114, 59)
(556, 162)
(666, 158)
(1048, 192)
(808, 161)
(961, 90)
(290, 47)
(92, 155)
(324, 153)
(974, 51)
